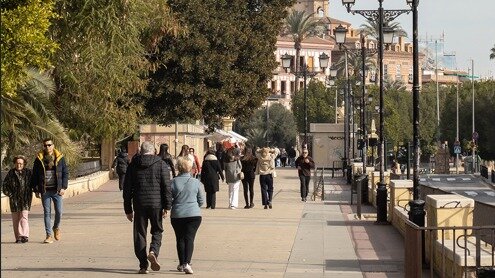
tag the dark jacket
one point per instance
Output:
(305, 168)
(121, 163)
(147, 184)
(169, 161)
(249, 167)
(20, 195)
(211, 173)
(61, 172)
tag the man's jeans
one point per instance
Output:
(47, 209)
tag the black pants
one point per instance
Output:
(304, 185)
(185, 231)
(284, 161)
(248, 185)
(121, 181)
(211, 199)
(266, 183)
(141, 218)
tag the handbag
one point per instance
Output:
(241, 175)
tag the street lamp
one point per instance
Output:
(330, 82)
(305, 73)
(380, 16)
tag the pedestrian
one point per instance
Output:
(184, 151)
(291, 153)
(266, 169)
(283, 157)
(197, 170)
(186, 212)
(120, 164)
(248, 162)
(233, 170)
(17, 186)
(304, 164)
(220, 153)
(147, 199)
(211, 173)
(167, 157)
(50, 180)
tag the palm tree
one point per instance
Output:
(354, 61)
(492, 54)
(370, 28)
(28, 117)
(299, 26)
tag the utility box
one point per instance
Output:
(328, 143)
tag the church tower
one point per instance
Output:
(317, 7)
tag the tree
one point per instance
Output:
(354, 62)
(492, 53)
(24, 40)
(300, 25)
(281, 130)
(371, 28)
(28, 117)
(221, 68)
(101, 68)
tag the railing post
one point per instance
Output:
(412, 251)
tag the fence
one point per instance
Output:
(449, 251)
(88, 167)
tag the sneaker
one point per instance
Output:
(270, 206)
(143, 271)
(48, 239)
(266, 207)
(180, 267)
(24, 239)
(251, 206)
(232, 207)
(155, 266)
(56, 233)
(188, 269)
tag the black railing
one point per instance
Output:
(87, 168)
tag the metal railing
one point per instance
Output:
(461, 251)
(336, 166)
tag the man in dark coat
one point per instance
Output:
(210, 173)
(120, 164)
(304, 164)
(50, 180)
(147, 197)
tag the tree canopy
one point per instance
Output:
(221, 68)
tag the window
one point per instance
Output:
(283, 87)
(311, 62)
(301, 84)
(292, 87)
(301, 61)
(274, 86)
(320, 11)
(397, 72)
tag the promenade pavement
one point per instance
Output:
(294, 239)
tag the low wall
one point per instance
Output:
(75, 187)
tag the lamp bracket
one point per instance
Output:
(373, 15)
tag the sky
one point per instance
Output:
(468, 26)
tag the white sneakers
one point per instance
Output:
(188, 269)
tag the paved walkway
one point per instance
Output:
(294, 239)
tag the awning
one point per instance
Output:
(237, 136)
(219, 135)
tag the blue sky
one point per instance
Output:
(469, 26)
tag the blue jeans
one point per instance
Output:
(47, 209)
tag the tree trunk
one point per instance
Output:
(107, 153)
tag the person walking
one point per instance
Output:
(266, 169)
(186, 213)
(283, 157)
(233, 168)
(167, 157)
(147, 198)
(50, 180)
(120, 165)
(17, 186)
(185, 152)
(304, 164)
(197, 170)
(248, 162)
(211, 172)
(291, 153)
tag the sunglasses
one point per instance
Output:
(47, 145)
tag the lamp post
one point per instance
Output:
(385, 36)
(330, 82)
(304, 72)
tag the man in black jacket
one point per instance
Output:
(147, 197)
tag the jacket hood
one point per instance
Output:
(145, 161)
(58, 155)
(210, 157)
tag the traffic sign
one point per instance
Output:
(457, 149)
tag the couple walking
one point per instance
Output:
(149, 194)
(48, 180)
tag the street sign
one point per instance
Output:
(457, 149)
